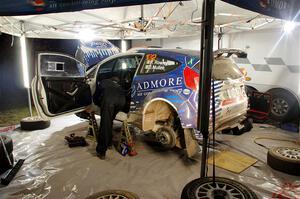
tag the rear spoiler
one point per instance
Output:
(230, 52)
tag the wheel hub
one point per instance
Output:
(112, 196)
(279, 107)
(218, 190)
(219, 194)
(163, 137)
(289, 153)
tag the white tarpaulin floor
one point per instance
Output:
(53, 170)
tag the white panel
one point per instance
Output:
(142, 43)
(192, 43)
(271, 43)
(268, 43)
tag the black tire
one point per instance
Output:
(8, 144)
(34, 123)
(249, 90)
(169, 134)
(4, 163)
(114, 194)
(285, 159)
(248, 125)
(207, 188)
(226, 131)
(236, 131)
(284, 105)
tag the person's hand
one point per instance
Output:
(89, 109)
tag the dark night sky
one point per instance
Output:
(12, 92)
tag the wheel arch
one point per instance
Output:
(252, 87)
(164, 105)
(287, 90)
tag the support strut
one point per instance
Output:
(206, 58)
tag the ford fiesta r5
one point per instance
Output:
(164, 90)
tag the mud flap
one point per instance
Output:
(192, 146)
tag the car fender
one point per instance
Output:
(175, 102)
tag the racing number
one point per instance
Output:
(151, 57)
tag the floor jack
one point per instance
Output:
(93, 127)
(126, 144)
(8, 176)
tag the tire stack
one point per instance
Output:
(4, 162)
(34, 123)
(285, 159)
(114, 194)
(220, 188)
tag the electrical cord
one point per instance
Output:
(208, 152)
(214, 129)
(276, 139)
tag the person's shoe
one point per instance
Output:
(101, 155)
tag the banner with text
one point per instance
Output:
(283, 9)
(33, 7)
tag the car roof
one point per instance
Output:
(194, 53)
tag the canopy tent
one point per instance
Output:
(160, 20)
(283, 9)
(30, 7)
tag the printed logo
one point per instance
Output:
(191, 78)
(38, 4)
(275, 4)
(186, 91)
(162, 83)
(264, 3)
(151, 57)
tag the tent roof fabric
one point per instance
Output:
(161, 20)
(30, 7)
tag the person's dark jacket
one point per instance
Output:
(109, 91)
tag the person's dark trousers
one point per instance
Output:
(109, 109)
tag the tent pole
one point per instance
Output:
(206, 58)
(25, 65)
(29, 101)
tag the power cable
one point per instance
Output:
(268, 138)
(214, 129)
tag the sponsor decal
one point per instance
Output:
(155, 67)
(161, 83)
(38, 4)
(186, 91)
(155, 64)
(191, 78)
(275, 4)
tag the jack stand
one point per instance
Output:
(93, 127)
(10, 174)
(126, 144)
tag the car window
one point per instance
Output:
(57, 65)
(225, 69)
(106, 67)
(155, 64)
(126, 63)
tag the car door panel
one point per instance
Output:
(61, 86)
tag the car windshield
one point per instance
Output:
(225, 69)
